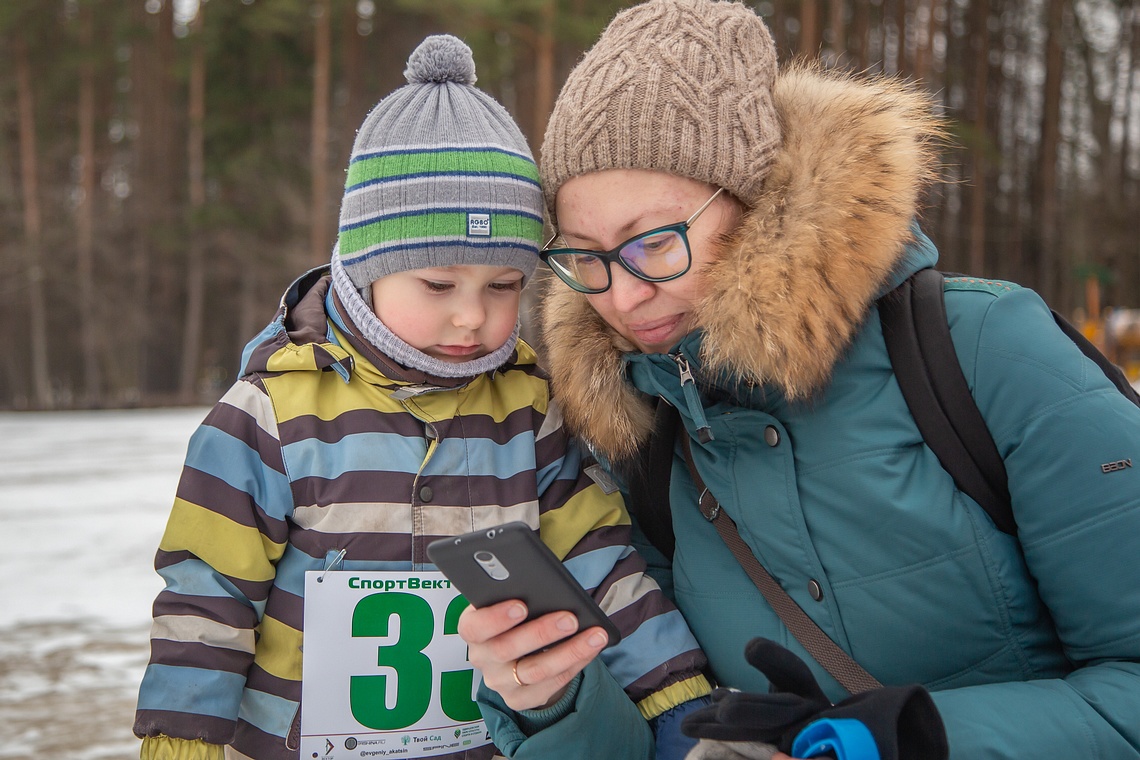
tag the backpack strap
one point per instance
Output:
(648, 480)
(926, 366)
(1113, 372)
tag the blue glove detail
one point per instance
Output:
(847, 738)
(670, 742)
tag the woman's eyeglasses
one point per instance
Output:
(659, 255)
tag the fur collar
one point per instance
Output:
(792, 289)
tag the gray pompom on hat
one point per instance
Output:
(440, 175)
(441, 58)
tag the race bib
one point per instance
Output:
(384, 672)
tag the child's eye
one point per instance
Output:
(507, 286)
(438, 287)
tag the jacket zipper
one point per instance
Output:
(692, 398)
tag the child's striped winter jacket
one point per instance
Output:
(316, 451)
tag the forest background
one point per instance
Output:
(167, 167)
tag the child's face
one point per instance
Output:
(454, 314)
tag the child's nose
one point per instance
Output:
(470, 314)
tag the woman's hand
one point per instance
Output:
(506, 650)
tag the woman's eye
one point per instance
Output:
(657, 244)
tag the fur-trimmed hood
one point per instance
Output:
(818, 246)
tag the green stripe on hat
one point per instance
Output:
(440, 175)
(412, 163)
(504, 224)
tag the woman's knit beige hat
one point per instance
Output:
(681, 86)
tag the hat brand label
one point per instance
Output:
(478, 225)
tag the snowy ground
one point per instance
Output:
(83, 501)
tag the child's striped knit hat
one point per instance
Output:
(440, 175)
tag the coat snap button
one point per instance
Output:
(815, 590)
(425, 493)
(771, 435)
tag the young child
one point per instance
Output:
(389, 403)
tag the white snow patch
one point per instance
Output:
(84, 498)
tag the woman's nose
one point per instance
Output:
(626, 291)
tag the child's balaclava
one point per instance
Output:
(440, 175)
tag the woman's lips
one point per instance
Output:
(657, 331)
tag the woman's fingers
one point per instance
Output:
(519, 659)
(539, 679)
(477, 626)
(568, 657)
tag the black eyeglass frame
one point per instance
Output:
(614, 254)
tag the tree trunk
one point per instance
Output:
(810, 41)
(1130, 151)
(902, 66)
(85, 214)
(352, 67)
(544, 72)
(1107, 216)
(1046, 200)
(1015, 158)
(925, 20)
(861, 35)
(196, 252)
(778, 26)
(251, 314)
(153, 197)
(837, 24)
(319, 244)
(33, 228)
(980, 38)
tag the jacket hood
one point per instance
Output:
(828, 234)
(299, 338)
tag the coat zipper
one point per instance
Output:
(692, 398)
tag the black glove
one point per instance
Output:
(902, 719)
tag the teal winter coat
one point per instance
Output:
(1029, 644)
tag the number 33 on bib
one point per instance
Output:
(385, 673)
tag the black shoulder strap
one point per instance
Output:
(1111, 371)
(842, 667)
(649, 480)
(926, 366)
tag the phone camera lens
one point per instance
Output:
(491, 565)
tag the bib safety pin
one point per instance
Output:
(333, 563)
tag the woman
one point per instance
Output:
(1030, 644)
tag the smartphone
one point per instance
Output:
(510, 562)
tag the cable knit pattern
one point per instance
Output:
(681, 86)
